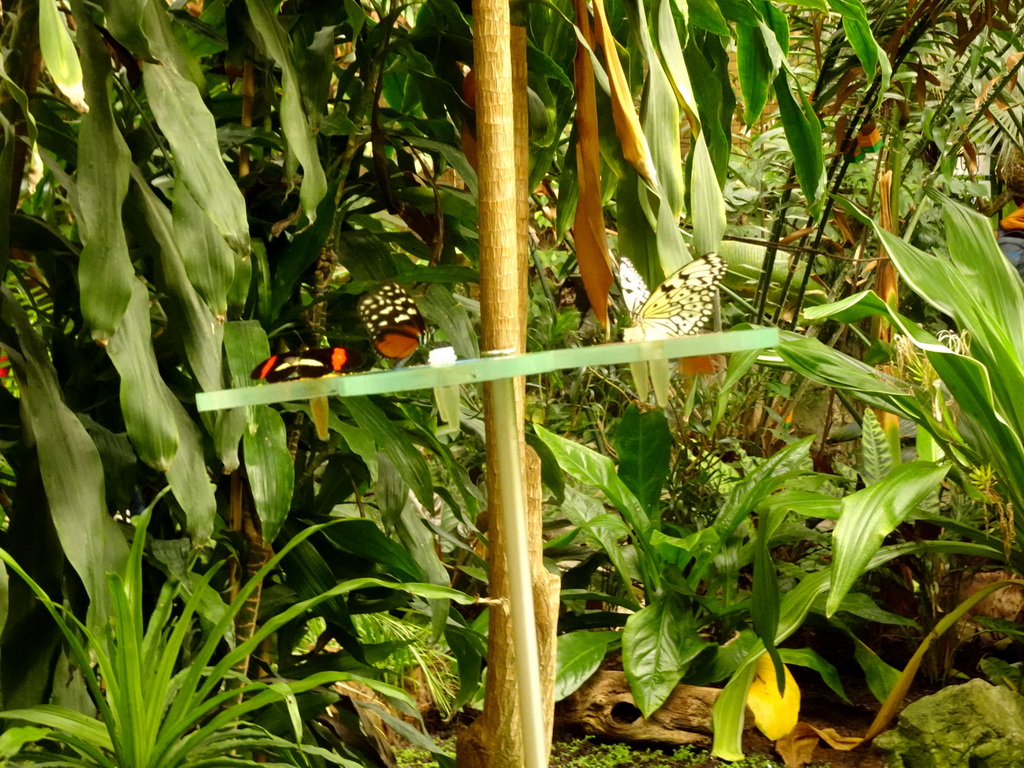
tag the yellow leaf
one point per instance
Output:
(627, 124)
(319, 408)
(775, 713)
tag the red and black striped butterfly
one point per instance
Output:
(308, 364)
(391, 318)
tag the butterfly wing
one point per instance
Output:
(683, 303)
(392, 320)
(307, 364)
(634, 289)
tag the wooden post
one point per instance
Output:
(509, 733)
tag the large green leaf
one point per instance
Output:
(708, 65)
(643, 443)
(858, 33)
(869, 515)
(363, 538)
(659, 642)
(190, 480)
(579, 656)
(767, 477)
(659, 118)
(875, 455)
(71, 469)
(757, 62)
(209, 261)
(59, 51)
(268, 461)
(395, 443)
(707, 206)
(987, 403)
(190, 130)
(592, 468)
(297, 130)
(270, 467)
(606, 532)
(146, 403)
(764, 596)
(803, 134)
(105, 271)
(192, 322)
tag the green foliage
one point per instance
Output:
(154, 710)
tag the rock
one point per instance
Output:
(974, 725)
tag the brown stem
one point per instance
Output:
(248, 95)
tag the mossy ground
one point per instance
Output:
(591, 753)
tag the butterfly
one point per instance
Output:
(678, 307)
(308, 364)
(391, 318)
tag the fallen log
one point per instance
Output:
(604, 707)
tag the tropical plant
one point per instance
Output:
(164, 699)
(155, 257)
(962, 392)
(690, 574)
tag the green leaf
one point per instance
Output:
(671, 50)
(396, 445)
(806, 503)
(745, 496)
(707, 15)
(440, 307)
(191, 321)
(270, 467)
(755, 70)
(71, 469)
(13, 739)
(803, 134)
(190, 130)
(550, 473)
(659, 118)
(643, 444)
(59, 52)
(658, 643)
(209, 262)
(858, 33)
(805, 657)
(764, 598)
(876, 457)
(707, 206)
(592, 468)
(709, 68)
(66, 721)
(297, 129)
(145, 399)
(190, 480)
(579, 656)
(363, 538)
(606, 532)
(105, 272)
(880, 677)
(871, 514)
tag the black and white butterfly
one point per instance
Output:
(678, 307)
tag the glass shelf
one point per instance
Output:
(488, 369)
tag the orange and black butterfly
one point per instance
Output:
(308, 364)
(391, 318)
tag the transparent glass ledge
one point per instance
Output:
(488, 369)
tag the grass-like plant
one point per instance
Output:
(157, 711)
